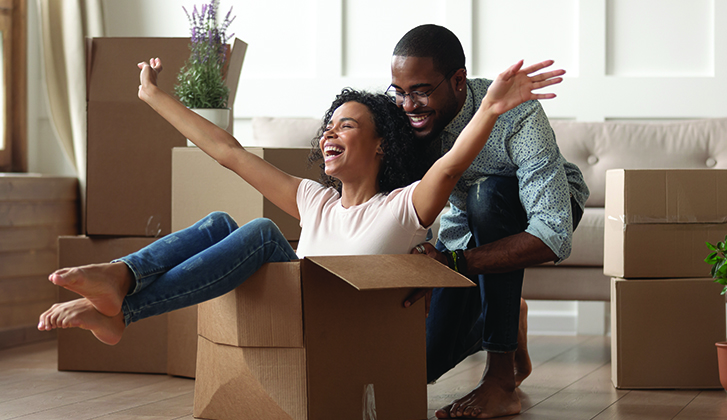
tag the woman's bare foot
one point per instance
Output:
(523, 365)
(104, 285)
(81, 313)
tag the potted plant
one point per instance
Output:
(719, 273)
(201, 81)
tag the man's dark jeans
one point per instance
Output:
(463, 321)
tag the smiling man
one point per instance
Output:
(516, 206)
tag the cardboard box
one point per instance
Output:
(182, 342)
(143, 348)
(311, 339)
(200, 186)
(657, 221)
(663, 333)
(129, 145)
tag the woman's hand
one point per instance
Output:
(515, 86)
(148, 77)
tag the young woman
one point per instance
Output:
(371, 205)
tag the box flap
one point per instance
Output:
(235, 382)
(112, 71)
(234, 67)
(375, 272)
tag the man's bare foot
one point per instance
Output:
(81, 313)
(489, 399)
(104, 285)
(495, 395)
(523, 366)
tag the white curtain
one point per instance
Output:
(65, 24)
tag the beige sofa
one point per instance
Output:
(595, 148)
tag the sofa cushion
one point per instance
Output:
(597, 147)
(588, 239)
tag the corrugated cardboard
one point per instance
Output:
(200, 186)
(129, 144)
(143, 348)
(663, 333)
(657, 221)
(182, 342)
(304, 340)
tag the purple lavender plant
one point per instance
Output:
(201, 82)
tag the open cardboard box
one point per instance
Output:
(323, 337)
(128, 190)
(663, 333)
(657, 221)
(200, 186)
(143, 348)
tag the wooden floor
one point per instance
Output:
(570, 380)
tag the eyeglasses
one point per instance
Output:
(416, 97)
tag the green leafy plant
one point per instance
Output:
(719, 262)
(201, 82)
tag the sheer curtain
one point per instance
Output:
(65, 24)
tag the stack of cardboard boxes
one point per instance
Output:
(666, 312)
(129, 188)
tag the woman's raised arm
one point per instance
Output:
(276, 185)
(511, 88)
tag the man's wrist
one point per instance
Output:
(456, 261)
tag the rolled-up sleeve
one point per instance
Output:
(544, 188)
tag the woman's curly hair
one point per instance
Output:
(403, 162)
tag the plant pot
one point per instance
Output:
(722, 361)
(217, 116)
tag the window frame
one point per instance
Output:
(13, 23)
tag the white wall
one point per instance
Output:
(626, 59)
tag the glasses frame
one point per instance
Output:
(423, 97)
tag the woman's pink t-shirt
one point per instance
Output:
(386, 224)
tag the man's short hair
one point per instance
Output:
(436, 42)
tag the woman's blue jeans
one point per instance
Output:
(199, 263)
(463, 321)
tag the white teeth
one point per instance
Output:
(332, 149)
(417, 118)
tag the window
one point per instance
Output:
(13, 86)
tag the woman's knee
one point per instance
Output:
(218, 220)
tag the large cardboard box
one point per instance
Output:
(128, 189)
(657, 221)
(143, 348)
(200, 186)
(320, 338)
(663, 333)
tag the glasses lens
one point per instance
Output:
(395, 96)
(419, 98)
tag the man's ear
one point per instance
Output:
(460, 79)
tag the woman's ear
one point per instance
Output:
(379, 149)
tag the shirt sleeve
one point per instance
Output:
(544, 188)
(402, 207)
